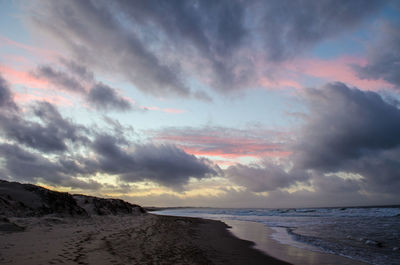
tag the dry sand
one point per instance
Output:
(143, 239)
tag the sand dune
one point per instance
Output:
(25, 200)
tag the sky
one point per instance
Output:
(232, 103)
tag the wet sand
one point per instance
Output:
(261, 235)
(144, 239)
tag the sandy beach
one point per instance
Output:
(41, 226)
(142, 239)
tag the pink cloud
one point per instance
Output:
(166, 110)
(224, 145)
(299, 72)
(173, 111)
(38, 96)
(38, 88)
(18, 77)
(233, 154)
(338, 69)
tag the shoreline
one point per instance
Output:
(260, 234)
(127, 239)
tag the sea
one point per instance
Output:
(366, 234)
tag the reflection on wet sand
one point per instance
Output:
(261, 235)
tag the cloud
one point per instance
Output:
(59, 79)
(49, 135)
(225, 142)
(166, 110)
(94, 34)
(351, 131)
(164, 164)
(23, 165)
(267, 177)
(42, 145)
(380, 170)
(336, 185)
(77, 69)
(102, 96)
(203, 96)
(347, 133)
(6, 97)
(324, 196)
(15, 76)
(348, 144)
(160, 46)
(383, 59)
(341, 68)
(345, 124)
(290, 27)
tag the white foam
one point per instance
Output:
(282, 236)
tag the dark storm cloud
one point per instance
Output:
(164, 164)
(6, 98)
(384, 57)
(102, 96)
(49, 135)
(349, 143)
(346, 124)
(352, 131)
(379, 169)
(334, 184)
(267, 177)
(112, 158)
(22, 165)
(160, 45)
(59, 79)
(168, 165)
